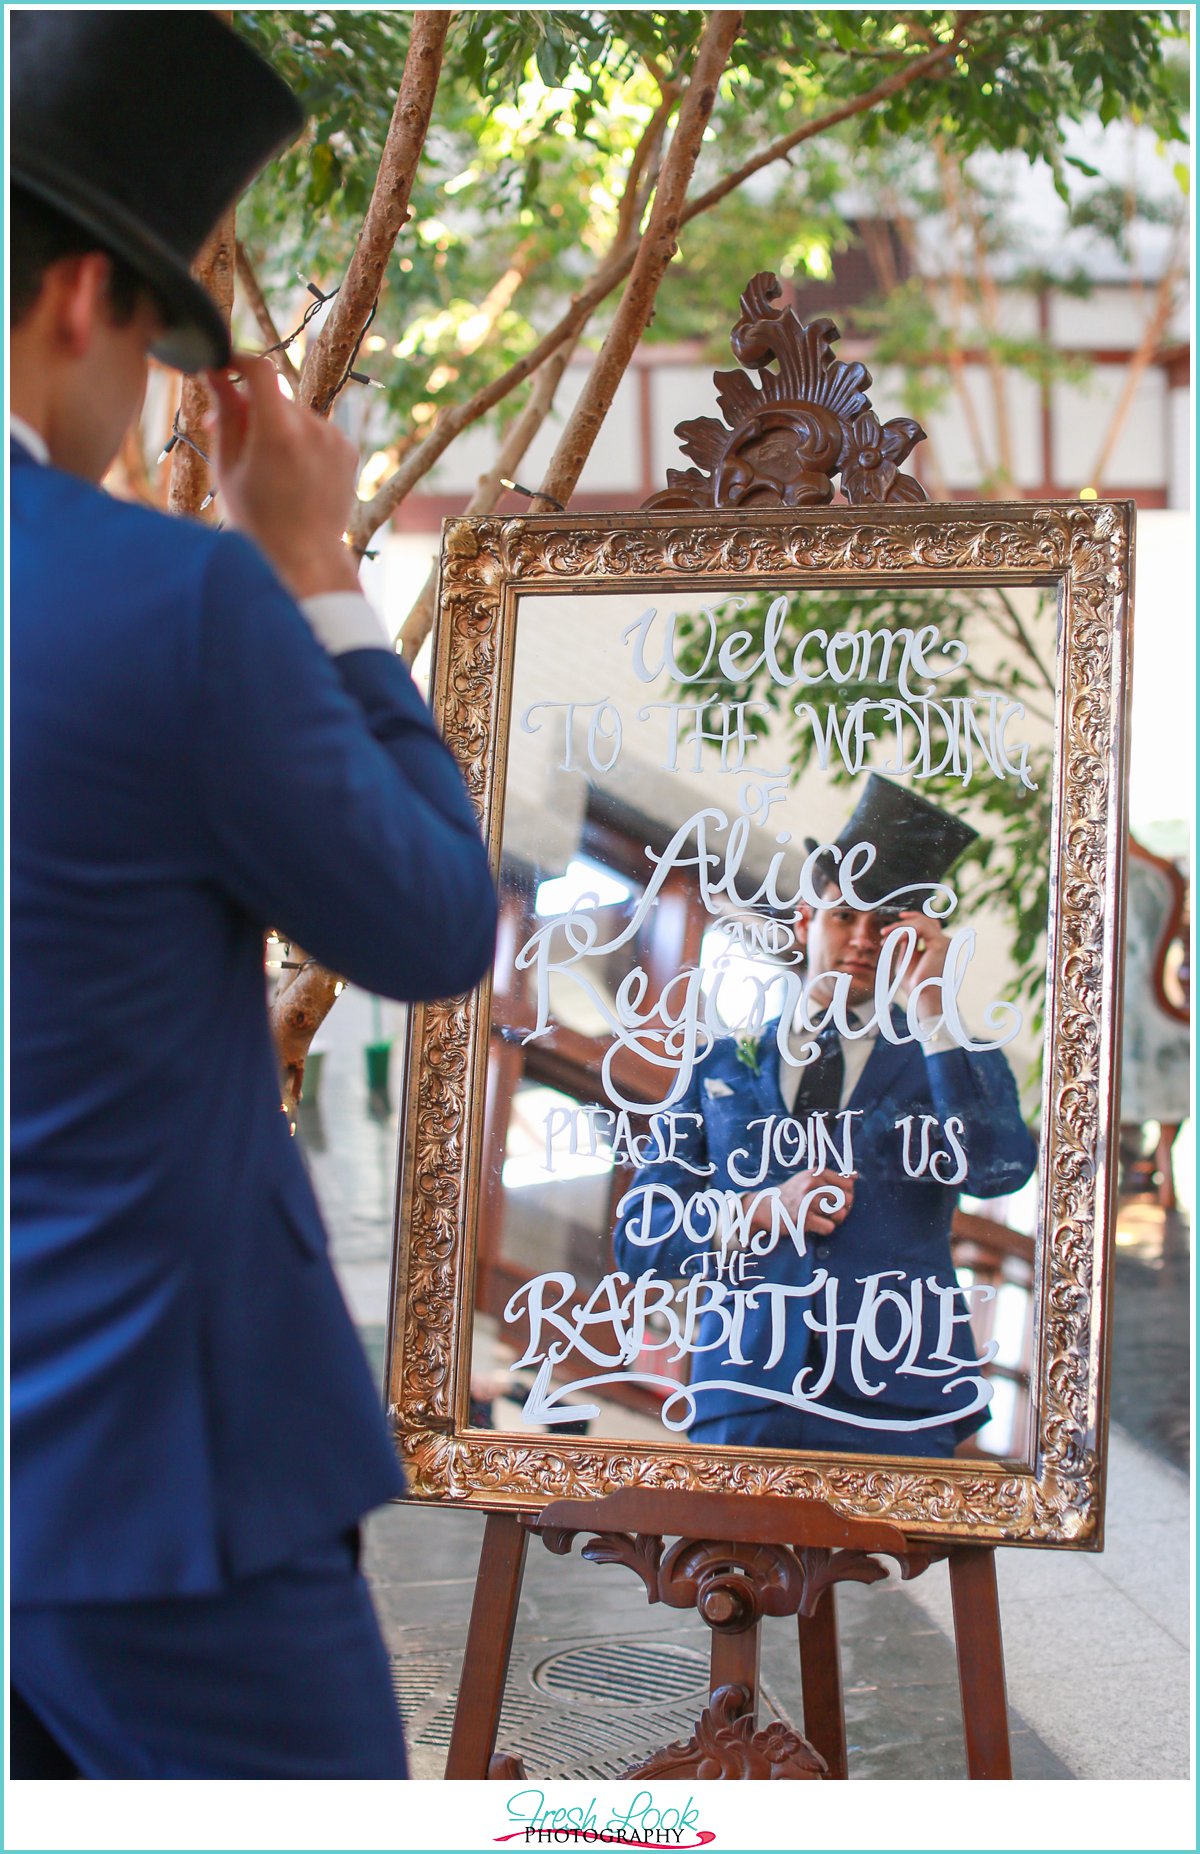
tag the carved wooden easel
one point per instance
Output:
(740, 1557)
(736, 1559)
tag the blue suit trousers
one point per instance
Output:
(284, 1675)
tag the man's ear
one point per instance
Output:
(800, 925)
(75, 300)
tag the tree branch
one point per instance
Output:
(300, 1010)
(488, 490)
(989, 305)
(1023, 638)
(331, 355)
(1152, 334)
(455, 419)
(629, 217)
(655, 250)
(817, 125)
(521, 431)
(955, 358)
(252, 290)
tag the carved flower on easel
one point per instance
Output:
(872, 456)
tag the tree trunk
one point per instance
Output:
(655, 251)
(331, 356)
(300, 1007)
(191, 479)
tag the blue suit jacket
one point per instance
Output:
(189, 1399)
(895, 1222)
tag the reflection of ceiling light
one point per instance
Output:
(582, 878)
(524, 1169)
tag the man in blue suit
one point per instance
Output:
(210, 735)
(814, 1220)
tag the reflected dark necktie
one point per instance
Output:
(819, 1089)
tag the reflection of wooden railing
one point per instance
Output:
(996, 1256)
(572, 1061)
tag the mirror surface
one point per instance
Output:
(760, 1162)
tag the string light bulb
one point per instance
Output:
(519, 489)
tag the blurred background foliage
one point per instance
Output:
(536, 121)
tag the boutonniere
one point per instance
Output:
(747, 1053)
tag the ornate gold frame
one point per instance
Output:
(1085, 550)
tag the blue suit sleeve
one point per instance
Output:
(979, 1088)
(331, 807)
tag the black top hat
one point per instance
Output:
(915, 841)
(143, 127)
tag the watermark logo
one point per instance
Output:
(640, 1823)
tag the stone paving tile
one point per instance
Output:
(1137, 1727)
(1151, 1381)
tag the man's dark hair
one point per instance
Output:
(39, 236)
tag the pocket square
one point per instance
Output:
(716, 1090)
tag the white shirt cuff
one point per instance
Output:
(940, 1043)
(345, 621)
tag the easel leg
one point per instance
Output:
(733, 1661)
(489, 1644)
(821, 1683)
(980, 1651)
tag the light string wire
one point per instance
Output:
(320, 298)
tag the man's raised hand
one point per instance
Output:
(286, 478)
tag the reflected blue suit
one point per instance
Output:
(896, 1223)
(190, 1403)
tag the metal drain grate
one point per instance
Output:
(626, 1673)
(418, 1678)
(589, 1710)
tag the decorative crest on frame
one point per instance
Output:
(785, 439)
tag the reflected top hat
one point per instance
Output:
(915, 841)
(142, 128)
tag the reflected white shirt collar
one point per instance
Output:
(855, 1017)
(856, 1053)
(29, 439)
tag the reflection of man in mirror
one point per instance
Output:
(830, 1315)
